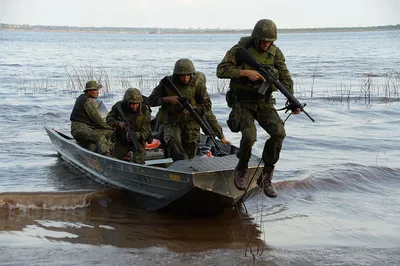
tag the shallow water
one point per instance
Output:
(337, 179)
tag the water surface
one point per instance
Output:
(337, 179)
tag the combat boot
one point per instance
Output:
(240, 180)
(265, 181)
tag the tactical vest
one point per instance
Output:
(174, 113)
(243, 87)
(78, 113)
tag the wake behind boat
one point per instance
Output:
(199, 185)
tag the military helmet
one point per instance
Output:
(133, 95)
(184, 67)
(265, 30)
(92, 85)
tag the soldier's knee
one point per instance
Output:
(280, 133)
(249, 135)
(281, 136)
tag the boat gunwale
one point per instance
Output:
(73, 142)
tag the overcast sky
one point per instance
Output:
(230, 14)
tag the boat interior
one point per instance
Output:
(157, 152)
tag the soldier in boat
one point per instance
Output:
(87, 125)
(179, 130)
(138, 115)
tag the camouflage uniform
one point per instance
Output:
(248, 105)
(87, 125)
(209, 115)
(181, 132)
(139, 120)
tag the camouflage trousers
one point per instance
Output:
(181, 139)
(123, 146)
(244, 114)
(93, 139)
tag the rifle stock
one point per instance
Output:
(186, 105)
(271, 78)
(135, 145)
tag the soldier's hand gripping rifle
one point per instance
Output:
(271, 77)
(186, 105)
(135, 145)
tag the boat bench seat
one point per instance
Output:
(156, 157)
(154, 154)
(159, 161)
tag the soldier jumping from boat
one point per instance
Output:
(248, 104)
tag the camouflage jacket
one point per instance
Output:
(140, 120)
(195, 92)
(229, 67)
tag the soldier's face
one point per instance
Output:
(134, 106)
(93, 93)
(264, 45)
(185, 79)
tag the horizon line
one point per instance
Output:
(198, 28)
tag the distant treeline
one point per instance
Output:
(25, 27)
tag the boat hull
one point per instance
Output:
(200, 185)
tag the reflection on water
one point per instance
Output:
(109, 220)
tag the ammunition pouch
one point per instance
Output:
(233, 121)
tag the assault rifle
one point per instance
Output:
(186, 105)
(135, 145)
(271, 77)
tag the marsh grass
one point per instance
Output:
(364, 91)
(301, 88)
(368, 90)
(78, 77)
(73, 81)
(313, 78)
